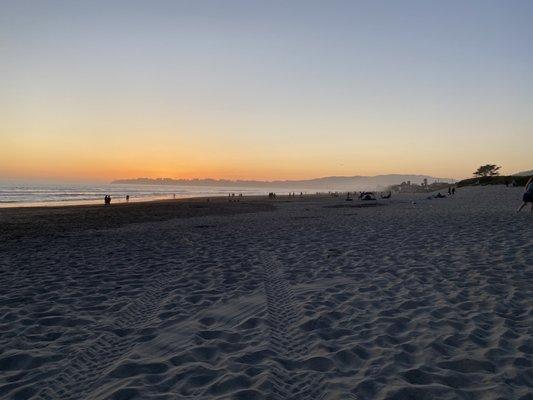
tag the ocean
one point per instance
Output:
(54, 194)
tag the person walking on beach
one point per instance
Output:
(528, 195)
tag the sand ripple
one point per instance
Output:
(425, 301)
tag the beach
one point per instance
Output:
(293, 298)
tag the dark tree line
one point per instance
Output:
(487, 170)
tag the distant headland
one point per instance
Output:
(324, 183)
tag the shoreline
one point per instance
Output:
(118, 203)
(122, 201)
(115, 203)
(24, 222)
(99, 202)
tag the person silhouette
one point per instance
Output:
(527, 197)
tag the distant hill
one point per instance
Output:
(325, 183)
(524, 173)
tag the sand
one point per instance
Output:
(303, 299)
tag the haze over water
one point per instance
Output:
(56, 194)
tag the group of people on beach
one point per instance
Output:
(366, 196)
(350, 196)
(107, 199)
(439, 195)
(231, 197)
(526, 198)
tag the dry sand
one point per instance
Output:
(303, 299)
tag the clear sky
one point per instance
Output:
(264, 89)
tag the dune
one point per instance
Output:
(287, 299)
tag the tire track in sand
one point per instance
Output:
(289, 380)
(86, 366)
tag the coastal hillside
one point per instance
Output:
(512, 180)
(524, 173)
(325, 183)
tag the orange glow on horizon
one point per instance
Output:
(301, 147)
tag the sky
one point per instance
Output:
(99, 90)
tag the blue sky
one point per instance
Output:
(264, 89)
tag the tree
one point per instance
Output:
(487, 170)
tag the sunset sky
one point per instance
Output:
(98, 90)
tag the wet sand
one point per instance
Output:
(22, 222)
(290, 299)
